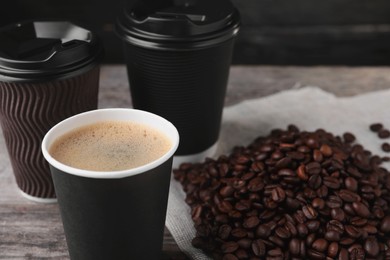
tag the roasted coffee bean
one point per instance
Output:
(224, 232)
(349, 138)
(326, 150)
(263, 230)
(361, 209)
(332, 235)
(313, 168)
(239, 233)
(302, 230)
(294, 246)
(278, 194)
(337, 214)
(334, 202)
(251, 222)
(376, 127)
(258, 247)
(229, 247)
(318, 156)
(301, 172)
(343, 255)
(282, 232)
(385, 224)
(352, 231)
(313, 225)
(318, 203)
(315, 181)
(331, 182)
(309, 212)
(333, 249)
(371, 246)
(384, 133)
(320, 244)
(386, 147)
(226, 191)
(348, 196)
(351, 183)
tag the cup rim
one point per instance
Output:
(110, 114)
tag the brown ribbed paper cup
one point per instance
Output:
(48, 71)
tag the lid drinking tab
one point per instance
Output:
(194, 23)
(39, 49)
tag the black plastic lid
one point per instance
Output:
(41, 50)
(178, 24)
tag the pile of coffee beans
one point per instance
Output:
(291, 195)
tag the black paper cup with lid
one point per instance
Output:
(178, 55)
(49, 70)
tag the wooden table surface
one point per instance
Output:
(30, 230)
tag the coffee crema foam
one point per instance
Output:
(110, 146)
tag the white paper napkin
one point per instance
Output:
(308, 108)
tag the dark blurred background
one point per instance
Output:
(276, 32)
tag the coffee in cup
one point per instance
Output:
(110, 146)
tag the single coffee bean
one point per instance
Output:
(263, 230)
(349, 137)
(318, 203)
(283, 163)
(309, 212)
(282, 232)
(229, 247)
(332, 235)
(352, 231)
(244, 243)
(310, 239)
(351, 183)
(386, 147)
(239, 233)
(385, 225)
(337, 214)
(224, 232)
(294, 246)
(313, 225)
(348, 196)
(278, 194)
(276, 253)
(334, 202)
(361, 209)
(384, 133)
(331, 182)
(276, 241)
(333, 249)
(226, 191)
(251, 222)
(320, 245)
(376, 127)
(343, 255)
(313, 168)
(359, 221)
(318, 156)
(302, 230)
(315, 181)
(371, 246)
(313, 254)
(326, 150)
(301, 172)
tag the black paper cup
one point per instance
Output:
(49, 70)
(119, 214)
(178, 56)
